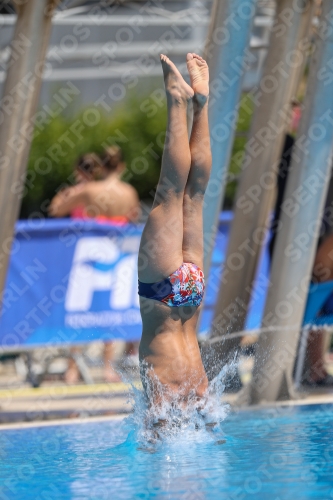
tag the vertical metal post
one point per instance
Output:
(225, 51)
(303, 344)
(301, 220)
(255, 195)
(18, 104)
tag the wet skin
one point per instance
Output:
(170, 348)
(169, 351)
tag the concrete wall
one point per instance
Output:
(98, 49)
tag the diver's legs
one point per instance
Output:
(161, 245)
(193, 203)
(201, 161)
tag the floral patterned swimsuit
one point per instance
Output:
(184, 287)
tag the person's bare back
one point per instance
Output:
(110, 197)
(169, 352)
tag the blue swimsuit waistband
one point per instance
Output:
(156, 291)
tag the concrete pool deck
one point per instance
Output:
(62, 401)
(53, 405)
(54, 401)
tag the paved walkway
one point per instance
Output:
(60, 401)
(57, 402)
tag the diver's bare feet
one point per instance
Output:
(175, 85)
(199, 74)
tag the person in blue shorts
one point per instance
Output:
(317, 374)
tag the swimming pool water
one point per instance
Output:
(276, 454)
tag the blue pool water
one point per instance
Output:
(276, 454)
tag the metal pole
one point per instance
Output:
(225, 51)
(18, 104)
(255, 195)
(301, 220)
(303, 344)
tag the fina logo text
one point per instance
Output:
(100, 266)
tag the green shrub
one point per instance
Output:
(140, 133)
(56, 148)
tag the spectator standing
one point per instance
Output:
(101, 194)
(323, 266)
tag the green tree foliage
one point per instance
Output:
(55, 149)
(138, 127)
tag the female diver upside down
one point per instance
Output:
(171, 282)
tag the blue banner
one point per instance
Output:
(71, 281)
(75, 281)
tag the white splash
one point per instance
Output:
(196, 420)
